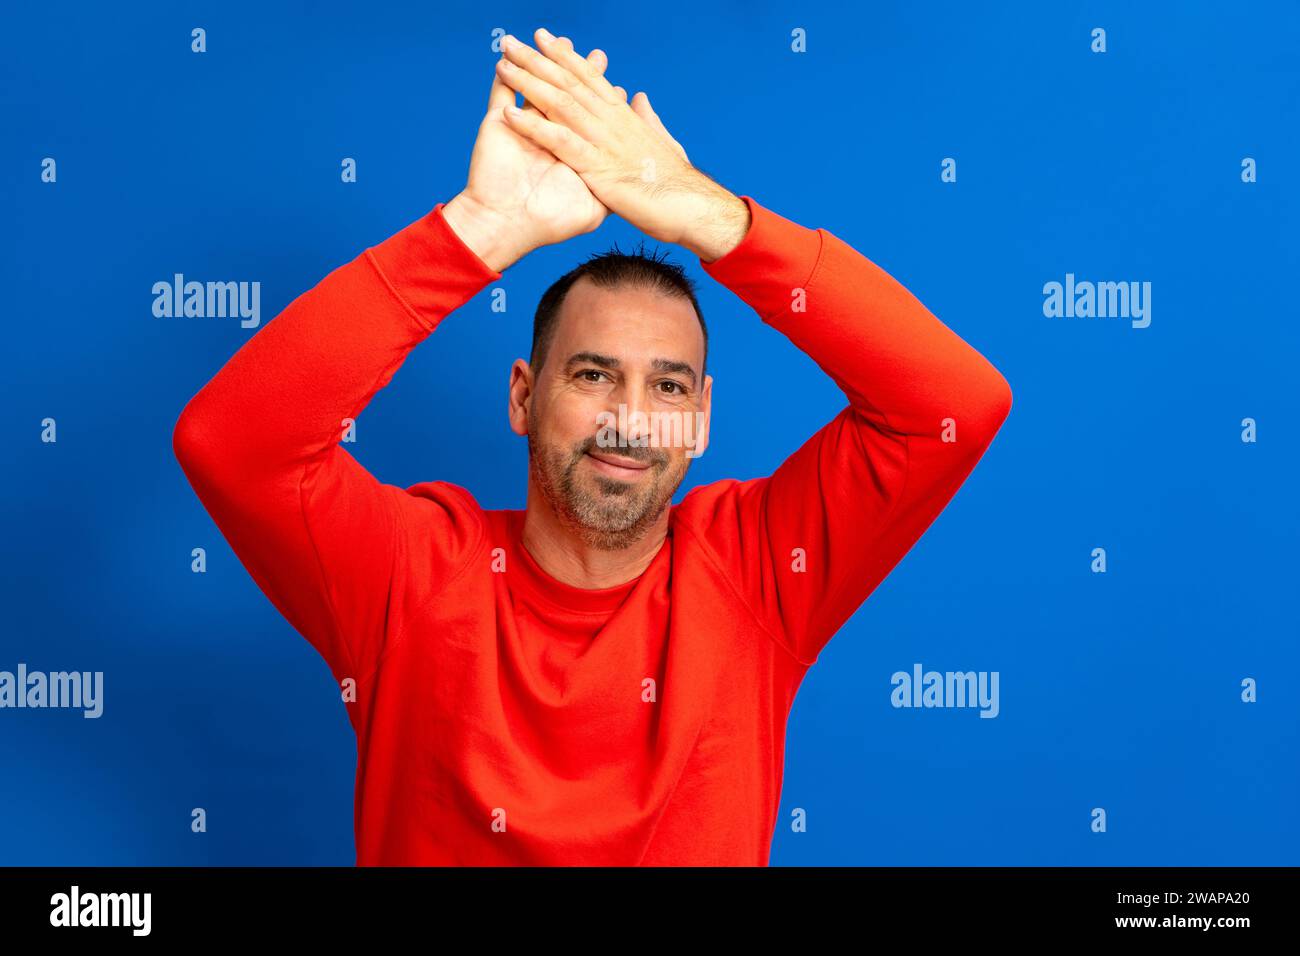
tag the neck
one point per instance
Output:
(564, 554)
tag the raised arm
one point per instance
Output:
(807, 544)
(260, 442)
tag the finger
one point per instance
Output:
(522, 55)
(597, 58)
(602, 64)
(560, 50)
(500, 95)
(566, 145)
(558, 105)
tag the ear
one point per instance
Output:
(705, 413)
(520, 398)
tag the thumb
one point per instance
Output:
(641, 106)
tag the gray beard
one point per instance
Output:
(616, 517)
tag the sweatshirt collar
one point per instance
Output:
(537, 581)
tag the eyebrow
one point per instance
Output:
(672, 365)
(609, 362)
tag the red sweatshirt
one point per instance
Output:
(504, 717)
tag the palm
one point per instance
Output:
(539, 194)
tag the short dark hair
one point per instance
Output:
(637, 268)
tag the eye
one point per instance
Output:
(674, 388)
(590, 371)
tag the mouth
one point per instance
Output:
(615, 466)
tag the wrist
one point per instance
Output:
(719, 223)
(487, 234)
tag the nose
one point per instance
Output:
(635, 415)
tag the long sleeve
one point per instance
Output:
(260, 444)
(808, 544)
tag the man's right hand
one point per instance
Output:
(519, 196)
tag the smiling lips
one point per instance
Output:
(616, 466)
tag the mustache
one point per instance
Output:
(623, 448)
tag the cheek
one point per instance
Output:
(677, 460)
(570, 418)
(676, 432)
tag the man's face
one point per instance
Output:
(617, 410)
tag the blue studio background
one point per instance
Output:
(1119, 690)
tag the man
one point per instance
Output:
(602, 677)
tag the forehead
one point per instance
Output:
(634, 323)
